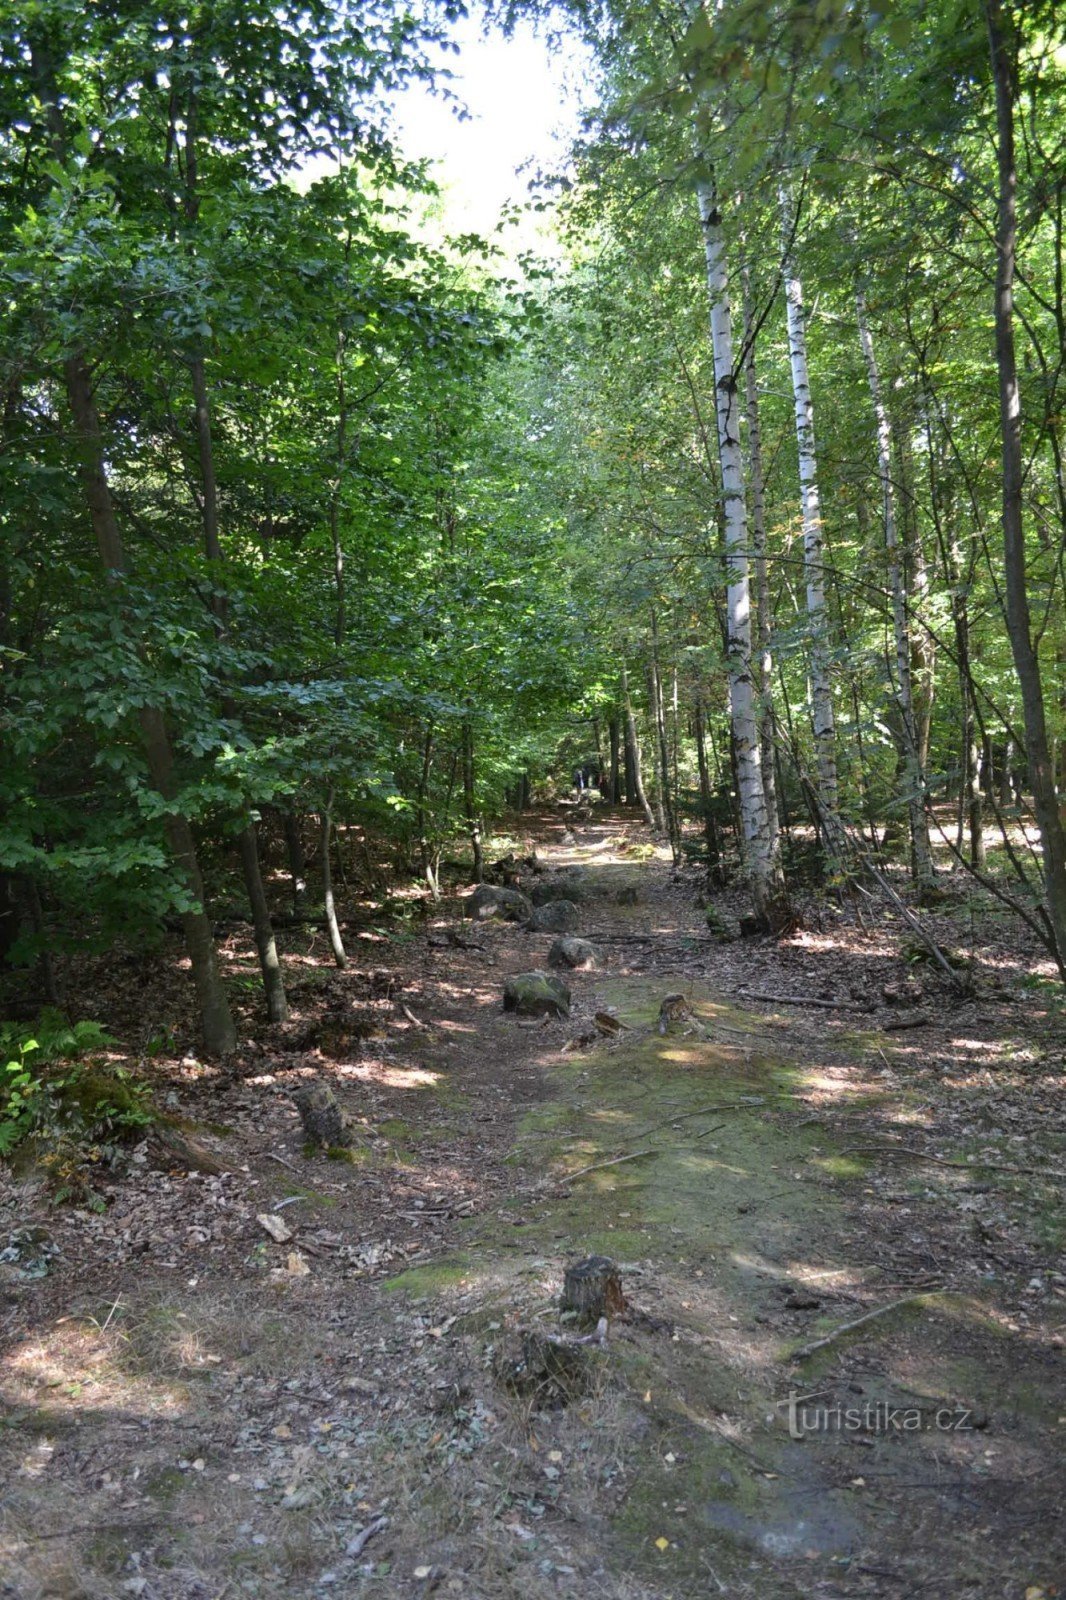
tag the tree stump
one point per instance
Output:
(593, 1288)
(325, 1124)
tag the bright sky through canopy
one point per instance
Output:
(524, 99)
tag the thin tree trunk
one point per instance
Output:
(710, 829)
(633, 746)
(760, 853)
(656, 734)
(265, 943)
(762, 581)
(614, 792)
(1026, 662)
(916, 586)
(473, 822)
(666, 804)
(270, 966)
(297, 864)
(913, 772)
(813, 535)
(333, 927)
(220, 1034)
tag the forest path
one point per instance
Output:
(193, 1420)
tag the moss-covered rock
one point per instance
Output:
(536, 994)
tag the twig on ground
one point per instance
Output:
(597, 1166)
(856, 1322)
(416, 1022)
(943, 1161)
(801, 1000)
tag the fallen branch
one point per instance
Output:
(597, 1166)
(416, 1022)
(801, 1000)
(944, 1161)
(856, 1322)
(895, 1024)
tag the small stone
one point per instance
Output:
(275, 1226)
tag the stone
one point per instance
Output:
(578, 954)
(325, 1124)
(488, 900)
(558, 916)
(536, 994)
(560, 888)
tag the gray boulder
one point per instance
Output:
(577, 954)
(489, 901)
(558, 916)
(536, 994)
(560, 888)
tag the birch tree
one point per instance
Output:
(761, 856)
(913, 771)
(758, 553)
(813, 537)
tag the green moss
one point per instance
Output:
(433, 1278)
(842, 1166)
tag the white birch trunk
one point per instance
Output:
(821, 689)
(761, 858)
(914, 777)
(758, 555)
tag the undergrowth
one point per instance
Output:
(72, 1112)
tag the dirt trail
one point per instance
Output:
(187, 1418)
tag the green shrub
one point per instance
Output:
(76, 1112)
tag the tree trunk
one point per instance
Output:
(473, 822)
(710, 828)
(333, 927)
(760, 853)
(655, 717)
(1026, 662)
(265, 943)
(269, 964)
(633, 748)
(666, 798)
(913, 772)
(762, 581)
(813, 533)
(220, 1034)
(294, 846)
(614, 790)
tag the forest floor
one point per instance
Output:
(194, 1411)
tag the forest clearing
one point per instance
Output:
(532, 799)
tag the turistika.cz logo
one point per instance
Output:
(806, 1416)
